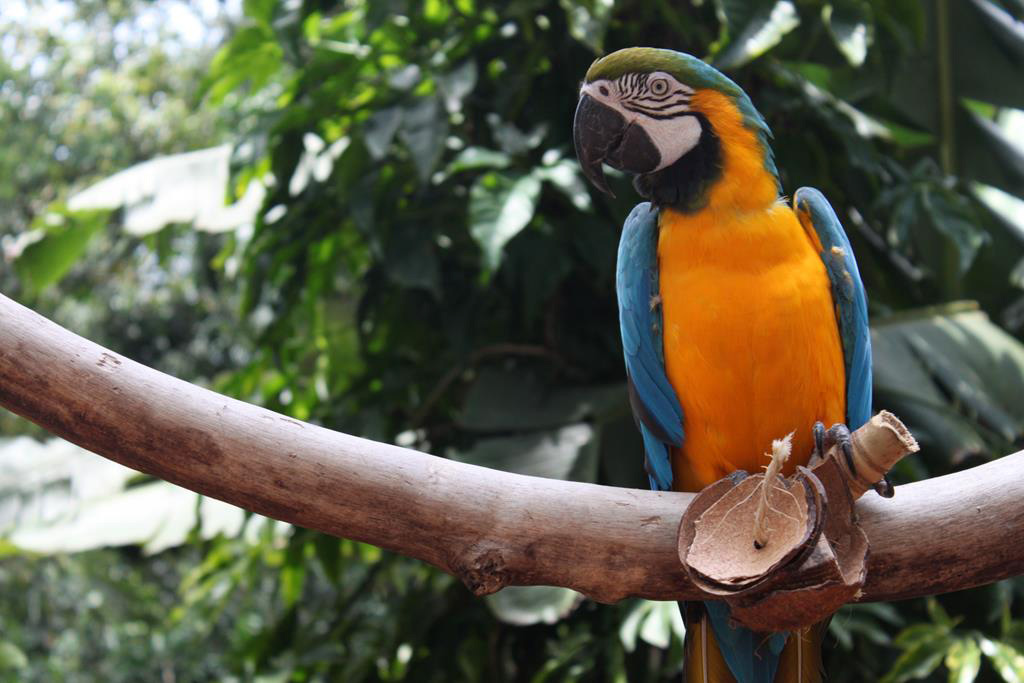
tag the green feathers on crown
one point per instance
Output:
(691, 71)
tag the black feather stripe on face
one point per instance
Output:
(664, 103)
(667, 96)
(656, 114)
(635, 95)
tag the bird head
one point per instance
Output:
(653, 113)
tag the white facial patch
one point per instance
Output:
(657, 102)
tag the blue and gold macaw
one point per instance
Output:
(743, 317)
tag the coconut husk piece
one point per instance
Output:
(828, 577)
(814, 560)
(722, 554)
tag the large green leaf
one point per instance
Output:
(478, 157)
(866, 622)
(972, 50)
(588, 21)
(65, 236)
(982, 30)
(924, 648)
(457, 84)
(58, 498)
(569, 452)
(963, 659)
(852, 27)
(412, 259)
(423, 128)
(565, 452)
(954, 377)
(502, 401)
(565, 176)
(1006, 659)
(759, 33)
(656, 623)
(251, 56)
(379, 130)
(11, 656)
(185, 188)
(500, 206)
(990, 155)
(528, 605)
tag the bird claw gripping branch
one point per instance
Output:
(815, 558)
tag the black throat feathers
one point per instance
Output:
(684, 185)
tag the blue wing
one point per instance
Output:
(818, 218)
(655, 404)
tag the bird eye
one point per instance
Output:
(659, 86)
(604, 91)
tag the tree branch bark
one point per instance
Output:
(487, 527)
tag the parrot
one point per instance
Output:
(742, 314)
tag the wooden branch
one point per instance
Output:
(487, 527)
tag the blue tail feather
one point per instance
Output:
(751, 656)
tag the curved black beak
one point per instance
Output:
(602, 135)
(596, 131)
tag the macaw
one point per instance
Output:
(743, 316)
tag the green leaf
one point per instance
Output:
(411, 259)
(184, 188)
(622, 448)
(404, 78)
(813, 80)
(1006, 659)
(457, 84)
(379, 130)
(922, 656)
(863, 620)
(478, 157)
(98, 504)
(981, 57)
(1009, 31)
(423, 129)
(987, 52)
(914, 635)
(328, 552)
(65, 239)
(952, 217)
(11, 656)
(663, 623)
(763, 32)
(503, 401)
(293, 572)
(529, 605)
(880, 610)
(938, 614)
(566, 453)
(260, 11)
(629, 629)
(988, 154)
(955, 378)
(511, 139)
(251, 56)
(499, 207)
(565, 176)
(963, 659)
(588, 21)
(851, 26)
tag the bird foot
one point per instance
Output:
(839, 435)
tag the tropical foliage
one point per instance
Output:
(428, 267)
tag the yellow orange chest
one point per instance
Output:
(751, 342)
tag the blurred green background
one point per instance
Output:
(368, 215)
